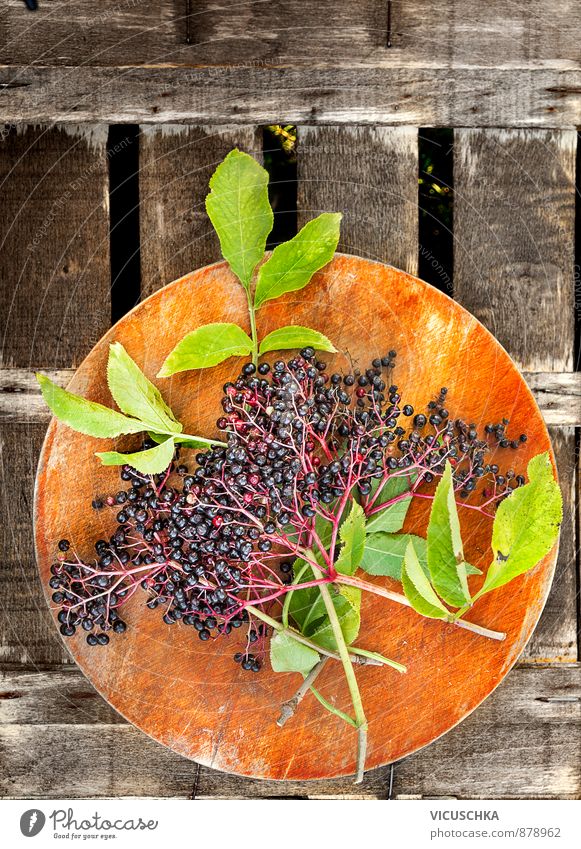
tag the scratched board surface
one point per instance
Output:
(198, 83)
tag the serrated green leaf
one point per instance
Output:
(150, 462)
(390, 519)
(526, 525)
(292, 264)
(352, 534)
(135, 395)
(295, 336)
(445, 550)
(417, 588)
(347, 603)
(207, 346)
(288, 655)
(240, 212)
(384, 554)
(85, 416)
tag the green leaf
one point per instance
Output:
(526, 525)
(240, 212)
(417, 588)
(295, 336)
(135, 395)
(150, 462)
(86, 416)
(292, 264)
(288, 655)
(207, 346)
(445, 550)
(352, 534)
(347, 603)
(306, 606)
(391, 518)
(384, 554)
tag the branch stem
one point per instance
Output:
(289, 707)
(278, 626)
(399, 598)
(346, 659)
(252, 316)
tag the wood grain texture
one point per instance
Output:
(557, 394)
(176, 164)
(391, 308)
(417, 96)
(555, 637)
(327, 32)
(54, 244)
(370, 175)
(27, 633)
(534, 750)
(108, 33)
(514, 212)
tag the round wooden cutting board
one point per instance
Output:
(190, 695)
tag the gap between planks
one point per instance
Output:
(558, 395)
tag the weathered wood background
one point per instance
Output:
(191, 79)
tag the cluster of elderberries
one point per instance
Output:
(208, 544)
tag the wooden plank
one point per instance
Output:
(493, 34)
(176, 164)
(54, 244)
(411, 96)
(557, 394)
(370, 175)
(522, 742)
(270, 33)
(514, 226)
(27, 632)
(535, 748)
(111, 32)
(331, 32)
(555, 637)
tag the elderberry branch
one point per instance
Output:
(346, 659)
(288, 708)
(296, 635)
(399, 598)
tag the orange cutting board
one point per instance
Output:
(190, 695)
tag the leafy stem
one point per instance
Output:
(360, 718)
(253, 333)
(399, 598)
(299, 638)
(289, 707)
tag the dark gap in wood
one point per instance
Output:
(435, 200)
(388, 41)
(188, 21)
(390, 781)
(123, 156)
(577, 520)
(577, 267)
(281, 165)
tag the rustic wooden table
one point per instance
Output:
(112, 118)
